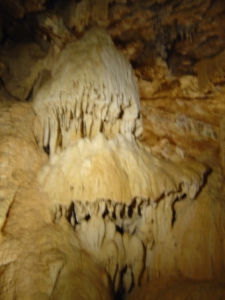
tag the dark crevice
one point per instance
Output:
(173, 212)
(47, 149)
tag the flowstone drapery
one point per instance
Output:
(98, 172)
(92, 89)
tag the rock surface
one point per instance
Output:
(63, 247)
(179, 289)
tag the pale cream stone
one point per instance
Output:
(97, 87)
(99, 168)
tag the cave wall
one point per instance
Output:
(176, 49)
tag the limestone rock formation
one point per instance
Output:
(90, 178)
(95, 92)
(35, 260)
(112, 149)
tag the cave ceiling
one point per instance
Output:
(180, 32)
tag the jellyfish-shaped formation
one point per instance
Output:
(89, 111)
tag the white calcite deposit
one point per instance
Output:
(98, 172)
(92, 89)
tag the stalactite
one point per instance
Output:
(95, 92)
